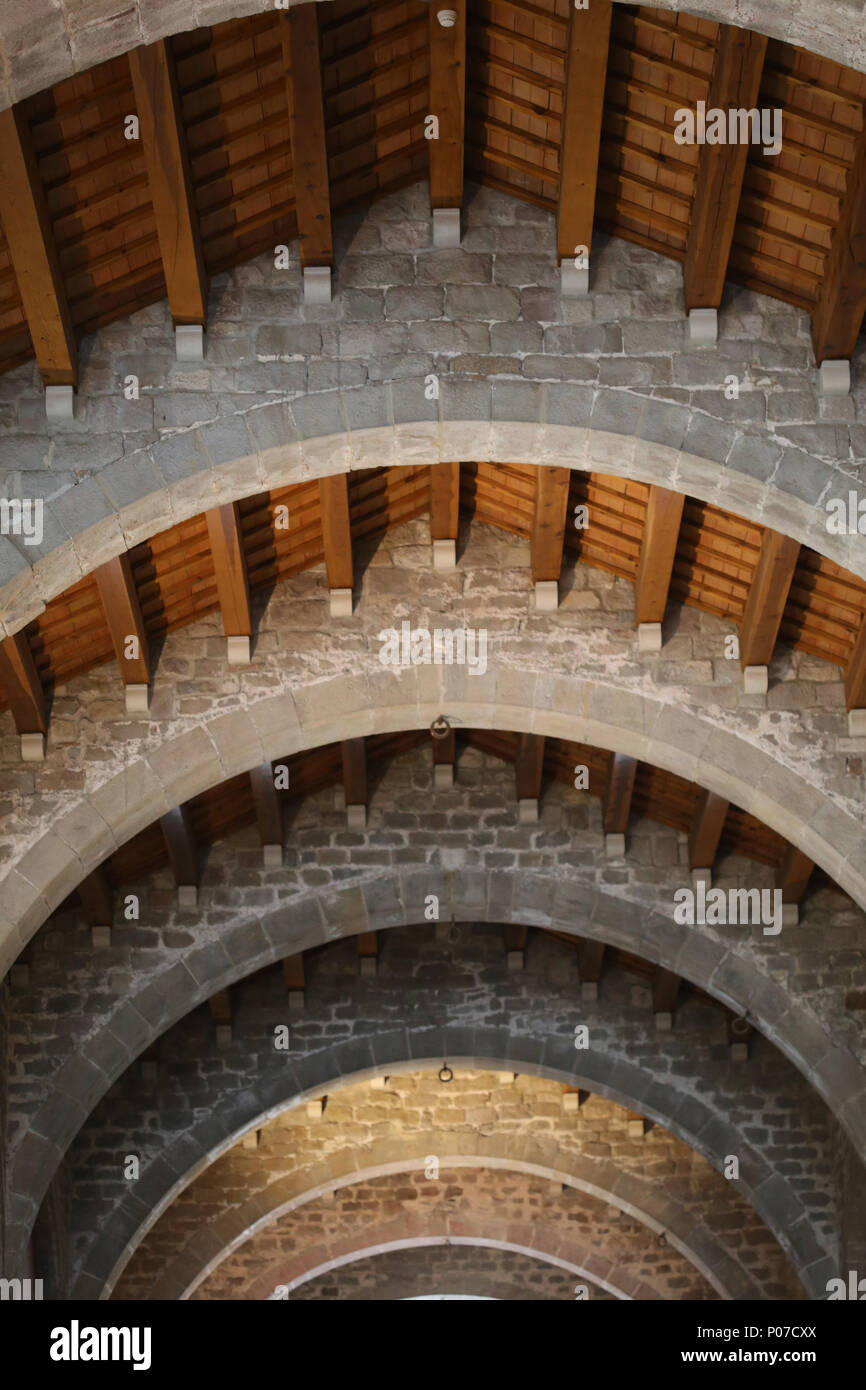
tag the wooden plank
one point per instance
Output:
(515, 936)
(230, 568)
(618, 793)
(548, 521)
(736, 82)
(303, 64)
(590, 959)
(220, 1006)
(666, 987)
(94, 894)
(855, 672)
(838, 314)
(444, 501)
(767, 598)
(120, 603)
(22, 686)
(793, 874)
(177, 831)
(528, 766)
(336, 530)
(448, 103)
(354, 755)
(585, 75)
(269, 812)
(163, 143)
(293, 971)
(657, 553)
(33, 253)
(706, 831)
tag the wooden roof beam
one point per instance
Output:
(447, 108)
(180, 842)
(302, 59)
(163, 142)
(269, 814)
(337, 542)
(666, 987)
(444, 760)
(838, 315)
(515, 937)
(220, 1006)
(736, 82)
(548, 533)
(855, 683)
(585, 77)
(294, 980)
(792, 877)
(444, 514)
(528, 769)
(706, 832)
(230, 570)
(656, 564)
(120, 603)
(616, 804)
(368, 952)
(36, 265)
(590, 962)
(354, 751)
(96, 898)
(25, 695)
(765, 606)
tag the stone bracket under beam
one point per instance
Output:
(59, 403)
(136, 698)
(703, 327)
(546, 595)
(189, 342)
(834, 377)
(340, 603)
(756, 680)
(649, 637)
(445, 555)
(317, 284)
(446, 227)
(573, 279)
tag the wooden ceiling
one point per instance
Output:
(259, 130)
(715, 563)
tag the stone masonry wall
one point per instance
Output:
(492, 1205)
(518, 1119)
(435, 1270)
(82, 1015)
(432, 1000)
(289, 391)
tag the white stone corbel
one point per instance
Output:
(189, 342)
(546, 595)
(649, 637)
(136, 698)
(756, 680)
(32, 748)
(238, 650)
(446, 227)
(340, 603)
(445, 555)
(703, 327)
(834, 377)
(317, 284)
(59, 403)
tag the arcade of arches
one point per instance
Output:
(432, 665)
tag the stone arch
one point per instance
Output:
(531, 424)
(45, 47)
(748, 766)
(577, 1258)
(666, 1091)
(602, 1179)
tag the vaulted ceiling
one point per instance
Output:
(260, 130)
